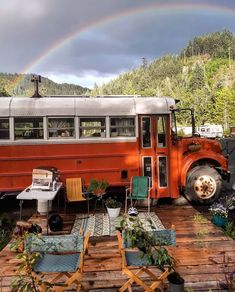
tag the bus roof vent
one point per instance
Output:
(36, 79)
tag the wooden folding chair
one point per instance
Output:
(75, 192)
(133, 258)
(61, 254)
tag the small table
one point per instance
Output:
(40, 195)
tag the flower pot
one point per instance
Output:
(219, 221)
(113, 212)
(176, 282)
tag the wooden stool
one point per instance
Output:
(21, 227)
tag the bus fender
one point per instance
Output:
(196, 159)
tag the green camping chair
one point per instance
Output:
(139, 190)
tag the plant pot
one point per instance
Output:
(219, 221)
(176, 282)
(113, 212)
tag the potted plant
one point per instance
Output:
(176, 282)
(135, 235)
(219, 214)
(97, 187)
(113, 207)
(26, 279)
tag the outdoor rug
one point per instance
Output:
(101, 224)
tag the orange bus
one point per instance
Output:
(111, 138)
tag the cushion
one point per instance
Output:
(58, 263)
(53, 244)
(140, 187)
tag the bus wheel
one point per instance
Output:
(203, 185)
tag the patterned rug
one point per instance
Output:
(101, 224)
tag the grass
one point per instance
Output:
(6, 226)
(199, 218)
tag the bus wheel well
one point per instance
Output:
(208, 162)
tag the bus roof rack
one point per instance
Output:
(71, 95)
(118, 95)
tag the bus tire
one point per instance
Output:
(203, 185)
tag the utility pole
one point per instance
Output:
(144, 63)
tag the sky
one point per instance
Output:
(88, 42)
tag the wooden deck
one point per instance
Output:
(203, 252)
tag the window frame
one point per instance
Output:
(150, 131)
(2, 129)
(167, 171)
(104, 128)
(120, 127)
(57, 129)
(30, 129)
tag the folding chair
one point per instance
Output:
(133, 258)
(75, 192)
(62, 254)
(139, 190)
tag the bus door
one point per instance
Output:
(154, 141)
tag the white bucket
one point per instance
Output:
(113, 212)
(43, 207)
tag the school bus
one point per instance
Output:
(111, 138)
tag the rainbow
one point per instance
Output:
(177, 7)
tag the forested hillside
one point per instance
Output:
(202, 76)
(21, 85)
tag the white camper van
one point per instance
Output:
(211, 131)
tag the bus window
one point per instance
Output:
(162, 170)
(92, 127)
(4, 129)
(28, 128)
(161, 131)
(122, 127)
(61, 127)
(147, 167)
(146, 132)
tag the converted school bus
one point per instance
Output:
(111, 138)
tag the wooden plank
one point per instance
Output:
(203, 251)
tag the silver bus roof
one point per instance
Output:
(84, 106)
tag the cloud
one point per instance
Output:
(87, 79)
(109, 40)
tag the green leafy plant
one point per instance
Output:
(112, 203)
(152, 247)
(26, 279)
(98, 187)
(5, 236)
(229, 230)
(6, 226)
